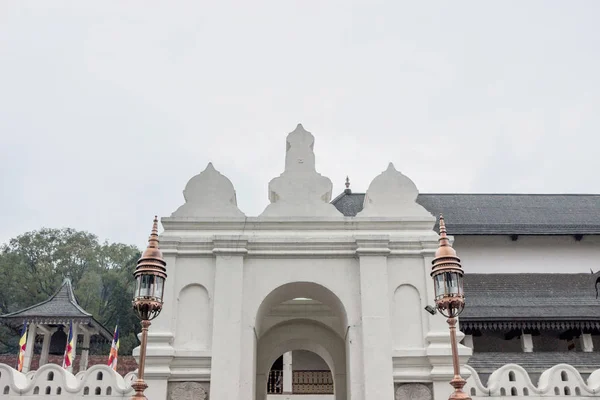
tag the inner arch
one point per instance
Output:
(306, 290)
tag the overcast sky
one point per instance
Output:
(107, 108)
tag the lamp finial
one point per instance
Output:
(445, 248)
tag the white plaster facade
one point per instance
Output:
(534, 254)
(228, 273)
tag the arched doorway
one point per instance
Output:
(306, 318)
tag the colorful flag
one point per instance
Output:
(114, 350)
(22, 347)
(68, 360)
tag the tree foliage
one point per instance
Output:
(34, 264)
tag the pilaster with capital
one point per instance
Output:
(375, 310)
(227, 352)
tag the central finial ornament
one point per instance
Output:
(300, 191)
(347, 190)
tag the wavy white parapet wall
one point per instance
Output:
(101, 382)
(53, 381)
(511, 380)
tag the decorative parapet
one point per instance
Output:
(101, 382)
(513, 380)
(53, 381)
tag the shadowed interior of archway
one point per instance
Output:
(307, 293)
(300, 372)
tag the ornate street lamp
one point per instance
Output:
(447, 277)
(150, 275)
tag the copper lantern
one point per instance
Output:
(447, 277)
(150, 275)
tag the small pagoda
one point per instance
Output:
(51, 319)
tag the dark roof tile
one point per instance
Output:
(495, 297)
(503, 214)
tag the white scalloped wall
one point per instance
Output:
(52, 381)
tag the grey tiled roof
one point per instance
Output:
(60, 304)
(503, 214)
(60, 308)
(496, 297)
(349, 204)
(535, 362)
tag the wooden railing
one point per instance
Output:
(312, 382)
(303, 382)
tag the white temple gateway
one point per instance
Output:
(230, 310)
(319, 299)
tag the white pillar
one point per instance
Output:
(287, 372)
(526, 343)
(31, 332)
(468, 341)
(45, 345)
(228, 354)
(587, 345)
(375, 309)
(85, 351)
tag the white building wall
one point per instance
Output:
(528, 254)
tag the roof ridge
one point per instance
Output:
(480, 194)
(509, 194)
(527, 273)
(339, 196)
(70, 296)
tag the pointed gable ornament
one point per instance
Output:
(207, 195)
(392, 194)
(300, 191)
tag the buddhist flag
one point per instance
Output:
(22, 347)
(68, 360)
(114, 350)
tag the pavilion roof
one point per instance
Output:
(58, 309)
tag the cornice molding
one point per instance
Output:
(298, 224)
(230, 245)
(300, 244)
(298, 249)
(372, 245)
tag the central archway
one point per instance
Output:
(316, 322)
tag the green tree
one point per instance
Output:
(34, 264)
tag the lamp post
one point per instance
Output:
(150, 275)
(447, 277)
